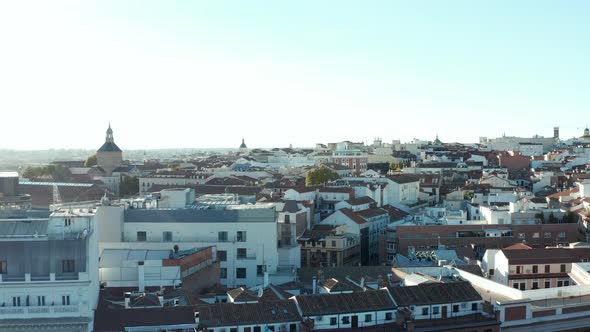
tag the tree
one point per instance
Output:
(320, 175)
(61, 174)
(129, 186)
(552, 218)
(90, 161)
(56, 173)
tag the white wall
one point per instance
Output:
(377, 318)
(261, 244)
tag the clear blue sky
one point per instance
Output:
(207, 73)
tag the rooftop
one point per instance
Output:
(324, 304)
(434, 293)
(231, 314)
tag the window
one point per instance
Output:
(222, 255)
(491, 272)
(566, 283)
(241, 236)
(455, 308)
(435, 310)
(292, 327)
(65, 300)
(333, 321)
(547, 283)
(40, 300)
(424, 311)
(547, 268)
(141, 236)
(346, 320)
(559, 283)
(241, 253)
(233, 329)
(241, 272)
(535, 269)
(547, 235)
(535, 235)
(521, 235)
(167, 236)
(368, 318)
(287, 219)
(223, 273)
(561, 235)
(3, 266)
(388, 316)
(221, 236)
(562, 268)
(256, 328)
(260, 269)
(16, 301)
(333, 244)
(67, 265)
(518, 269)
(247, 329)
(535, 284)
(473, 306)
(67, 222)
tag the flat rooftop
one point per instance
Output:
(8, 175)
(114, 257)
(10, 228)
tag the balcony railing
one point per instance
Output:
(37, 311)
(52, 277)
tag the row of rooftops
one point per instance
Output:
(247, 309)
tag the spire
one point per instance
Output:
(109, 138)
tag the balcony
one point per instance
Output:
(37, 312)
(52, 277)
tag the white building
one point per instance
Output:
(347, 310)
(49, 272)
(245, 237)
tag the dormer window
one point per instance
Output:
(67, 222)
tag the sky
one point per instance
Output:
(204, 74)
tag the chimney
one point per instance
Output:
(314, 285)
(127, 299)
(266, 282)
(140, 276)
(161, 298)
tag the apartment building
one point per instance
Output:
(527, 268)
(49, 272)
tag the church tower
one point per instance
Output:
(243, 148)
(109, 156)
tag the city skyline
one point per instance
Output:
(206, 75)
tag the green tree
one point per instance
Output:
(57, 173)
(552, 218)
(61, 174)
(90, 161)
(320, 175)
(129, 186)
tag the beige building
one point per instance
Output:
(329, 245)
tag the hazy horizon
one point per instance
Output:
(208, 74)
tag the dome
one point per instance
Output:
(243, 145)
